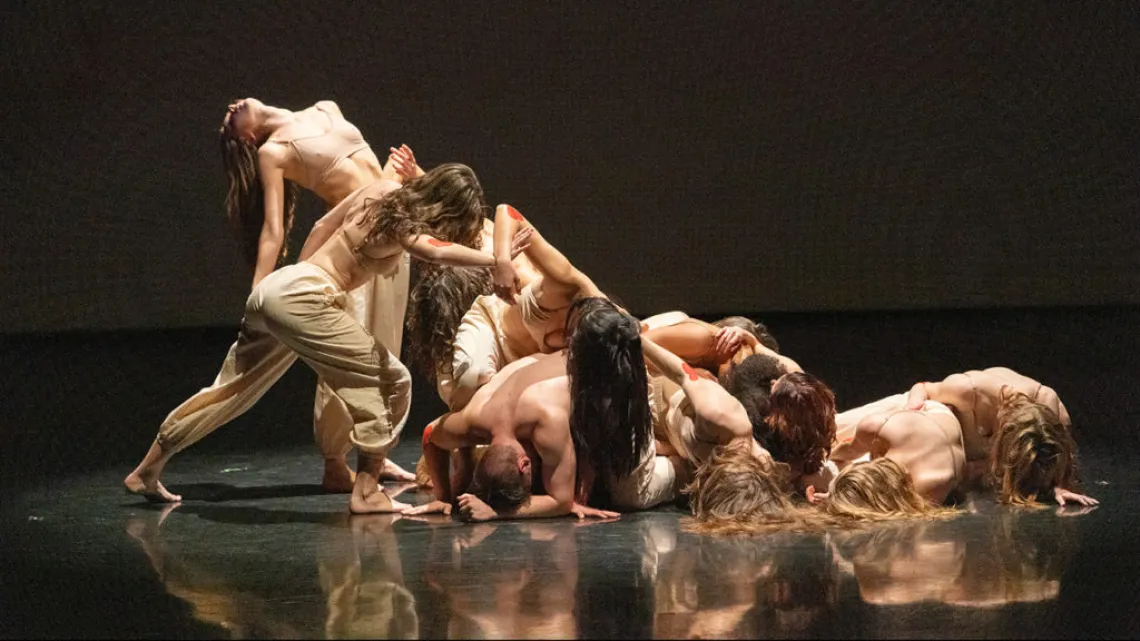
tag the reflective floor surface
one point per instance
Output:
(257, 551)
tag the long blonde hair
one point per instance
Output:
(734, 492)
(879, 490)
(245, 197)
(1032, 451)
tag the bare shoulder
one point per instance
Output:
(330, 106)
(273, 153)
(956, 389)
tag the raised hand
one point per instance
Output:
(403, 161)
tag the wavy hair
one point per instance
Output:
(446, 202)
(1031, 452)
(879, 490)
(610, 421)
(436, 305)
(245, 197)
(735, 492)
(802, 419)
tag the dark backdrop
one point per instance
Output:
(710, 156)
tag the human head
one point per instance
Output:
(1032, 451)
(502, 477)
(609, 387)
(802, 420)
(752, 327)
(750, 381)
(446, 202)
(738, 490)
(876, 490)
(436, 305)
(245, 202)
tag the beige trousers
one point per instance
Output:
(299, 311)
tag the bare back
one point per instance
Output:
(517, 392)
(346, 256)
(975, 397)
(928, 444)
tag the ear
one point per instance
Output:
(524, 464)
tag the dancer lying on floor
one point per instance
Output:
(269, 155)
(1014, 425)
(300, 311)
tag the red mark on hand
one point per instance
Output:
(514, 213)
(435, 242)
(693, 375)
(427, 434)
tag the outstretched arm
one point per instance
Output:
(433, 250)
(272, 238)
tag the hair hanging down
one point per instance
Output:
(1032, 452)
(879, 490)
(750, 381)
(609, 387)
(446, 202)
(245, 198)
(802, 419)
(436, 305)
(734, 492)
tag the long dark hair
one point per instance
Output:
(245, 197)
(609, 400)
(446, 202)
(436, 305)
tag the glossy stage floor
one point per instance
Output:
(257, 551)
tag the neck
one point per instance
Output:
(270, 119)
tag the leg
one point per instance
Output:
(254, 363)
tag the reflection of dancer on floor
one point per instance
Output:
(1016, 427)
(271, 153)
(531, 594)
(301, 309)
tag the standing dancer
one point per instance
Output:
(269, 154)
(300, 310)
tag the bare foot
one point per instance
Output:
(148, 487)
(373, 501)
(393, 472)
(338, 478)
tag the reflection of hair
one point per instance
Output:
(609, 387)
(752, 327)
(245, 197)
(750, 381)
(446, 202)
(879, 490)
(498, 481)
(734, 492)
(1032, 452)
(436, 305)
(802, 419)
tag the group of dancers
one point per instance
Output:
(559, 400)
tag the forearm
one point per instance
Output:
(438, 465)
(440, 252)
(540, 506)
(917, 396)
(462, 469)
(507, 223)
(268, 251)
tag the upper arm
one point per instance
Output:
(956, 390)
(851, 446)
(552, 441)
(271, 172)
(1047, 396)
(688, 339)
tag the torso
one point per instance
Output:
(976, 396)
(928, 444)
(328, 155)
(346, 256)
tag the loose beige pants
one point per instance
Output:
(299, 310)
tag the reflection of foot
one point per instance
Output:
(338, 478)
(393, 472)
(148, 487)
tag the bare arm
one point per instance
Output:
(272, 238)
(558, 468)
(710, 401)
(562, 283)
(852, 444)
(433, 250)
(327, 225)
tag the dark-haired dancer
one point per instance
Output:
(301, 309)
(269, 155)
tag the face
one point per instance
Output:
(239, 119)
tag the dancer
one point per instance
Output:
(301, 308)
(1018, 426)
(269, 154)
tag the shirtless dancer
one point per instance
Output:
(269, 154)
(1016, 426)
(301, 308)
